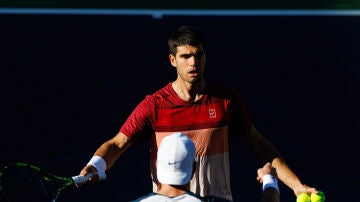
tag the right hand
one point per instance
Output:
(88, 170)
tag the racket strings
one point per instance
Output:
(24, 182)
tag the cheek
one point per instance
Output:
(181, 67)
(181, 63)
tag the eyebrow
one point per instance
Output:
(196, 54)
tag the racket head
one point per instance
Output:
(24, 182)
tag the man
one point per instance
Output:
(206, 112)
(175, 168)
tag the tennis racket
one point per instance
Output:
(22, 182)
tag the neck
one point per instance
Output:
(172, 190)
(189, 91)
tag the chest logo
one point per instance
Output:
(212, 113)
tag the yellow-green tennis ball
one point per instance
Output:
(303, 197)
(319, 197)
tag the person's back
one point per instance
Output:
(175, 168)
(155, 197)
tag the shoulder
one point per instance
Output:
(216, 86)
(165, 96)
(194, 197)
(151, 197)
(161, 93)
(221, 90)
(154, 197)
(211, 84)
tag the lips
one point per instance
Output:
(194, 73)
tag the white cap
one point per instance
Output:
(175, 159)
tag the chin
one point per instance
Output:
(195, 80)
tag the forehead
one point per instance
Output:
(189, 49)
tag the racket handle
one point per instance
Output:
(80, 179)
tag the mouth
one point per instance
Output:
(194, 73)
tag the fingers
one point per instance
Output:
(89, 170)
(94, 179)
(305, 189)
(266, 169)
(267, 165)
(311, 190)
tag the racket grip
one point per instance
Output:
(80, 179)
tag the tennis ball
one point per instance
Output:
(303, 197)
(319, 197)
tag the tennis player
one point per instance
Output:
(207, 112)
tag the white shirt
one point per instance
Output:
(155, 197)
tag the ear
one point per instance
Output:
(172, 60)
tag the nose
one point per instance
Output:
(192, 60)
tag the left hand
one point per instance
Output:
(303, 188)
(266, 169)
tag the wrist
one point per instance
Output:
(98, 162)
(270, 181)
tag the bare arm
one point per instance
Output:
(109, 151)
(266, 152)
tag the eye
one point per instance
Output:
(199, 54)
(196, 55)
(186, 56)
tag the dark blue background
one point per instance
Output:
(69, 82)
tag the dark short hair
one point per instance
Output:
(185, 35)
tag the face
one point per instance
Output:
(189, 62)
